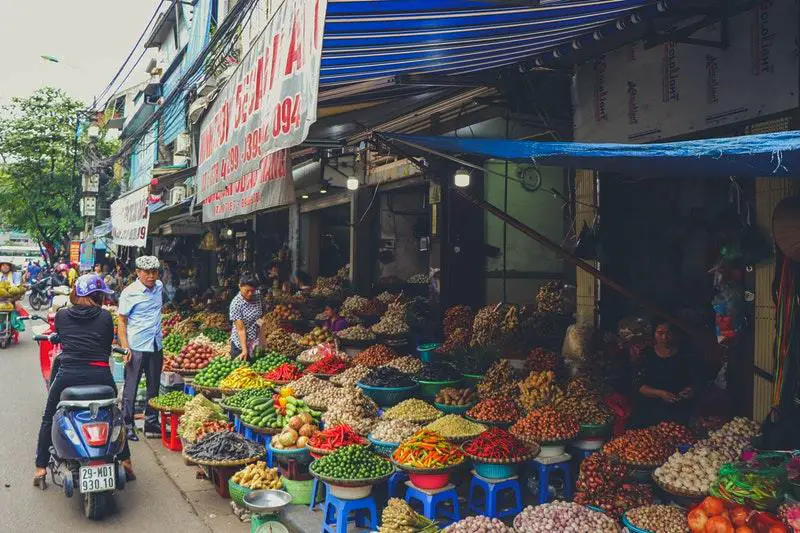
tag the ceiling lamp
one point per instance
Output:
(304, 197)
(352, 183)
(461, 178)
(323, 191)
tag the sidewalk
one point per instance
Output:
(215, 511)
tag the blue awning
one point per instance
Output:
(367, 39)
(770, 154)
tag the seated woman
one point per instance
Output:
(664, 381)
(86, 332)
(333, 322)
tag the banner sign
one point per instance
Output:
(75, 252)
(269, 185)
(86, 256)
(270, 101)
(638, 95)
(130, 217)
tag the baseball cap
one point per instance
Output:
(89, 283)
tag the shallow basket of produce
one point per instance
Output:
(681, 497)
(208, 392)
(229, 409)
(594, 430)
(631, 528)
(262, 430)
(455, 409)
(387, 396)
(165, 409)
(356, 343)
(381, 447)
(301, 455)
(429, 389)
(349, 489)
(224, 463)
(185, 372)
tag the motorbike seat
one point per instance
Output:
(88, 392)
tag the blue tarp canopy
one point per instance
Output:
(366, 39)
(771, 154)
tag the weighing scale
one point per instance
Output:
(265, 507)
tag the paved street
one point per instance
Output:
(151, 503)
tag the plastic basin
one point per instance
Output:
(494, 471)
(429, 481)
(349, 493)
(387, 396)
(427, 351)
(472, 380)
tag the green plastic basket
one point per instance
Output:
(238, 492)
(301, 491)
(494, 471)
(453, 409)
(429, 389)
(594, 430)
(383, 448)
(427, 352)
(472, 380)
(387, 396)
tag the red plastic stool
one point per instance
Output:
(220, 476)
(169, 438)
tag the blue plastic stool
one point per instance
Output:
(314, 490)
(394, 484)
(431, 499)
(492, 489)
(580, 454)
(266, 440)
(336, 513)
(544, 470)
(188, 389)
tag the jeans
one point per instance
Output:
(69, 375)
(149, 363)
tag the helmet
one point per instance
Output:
(61, 267)
(91, 283)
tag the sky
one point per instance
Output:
(91, 38)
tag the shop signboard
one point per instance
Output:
(269, 102)
(86, 257)
(635, 94)
(130, 217)
(75, 252)
(260, 189)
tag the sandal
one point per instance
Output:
(40, 481)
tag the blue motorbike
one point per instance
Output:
(88, 434)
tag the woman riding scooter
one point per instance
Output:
(86, 333)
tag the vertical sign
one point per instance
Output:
(268, 104)
(130, 218)
(75, 252)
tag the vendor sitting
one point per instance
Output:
(663, 382)
(333, 322)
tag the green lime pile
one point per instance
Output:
(269, 361)
(239, 400)
(174, 343)
(352, 462)
(174, 400)
(217, 370)
(217, 335)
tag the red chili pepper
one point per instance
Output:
(284, 372)
(496, 443)
(330, 364)
(336, 437)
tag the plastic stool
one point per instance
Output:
(581, 454)
(544, 470)
(336, 513)
(395, 483)
(431, 499)
(314, 490)
(169, 437)
(492, 489)
(188, 389)
(266, 440)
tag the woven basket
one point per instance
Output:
(490, 423)
(300, 491)
(349, 482)
(182, 372)
(383, 448)
(172, 410)
(238, 492)
(208, 392)
(238, 462)
(697, 496)
(262, 431)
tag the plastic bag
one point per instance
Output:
(759, 483)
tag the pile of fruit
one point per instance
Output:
(387, 377)
(351, 376)
(674, 433)
(171, 400)
(585, 409)
(486, 327)
(309, 384)
(658, 519)
(257, 476)
(212, 320)
(399, 517)
(168, 321)
(456, 397)
(495, 410)
(240, 399)
(616, 502)
(286, 312)
(393, 322)
(244, 378)
(284, 373)
(356, 333)
(316, 336)
(427, 450)
(546, 424)
(394, 430)
(284, 343)
(408, 364)
(328, 366)
(600, 473)
(478, 524)
(211, 426)
(455, 427)
(498, 382)
(355, 410)
(186, 328)
(352, 462)
(297, 432)
(224, 446)
(438, 372)
(375, 356)
(266, 361)
(412, 410)
(216, 371)
(639, 447)
(537, 389)
(540, 360)
(497, 445)
(712, 516)
(194, 356)
(325, 287)
(564, 517)
(217, 335)
(336, 437)
(693, 472)
(274, 412)
(457, 317)
(455, 342)
(174, 343)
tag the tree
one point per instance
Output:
(39, 174)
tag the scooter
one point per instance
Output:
(41, 294)
(88, 434)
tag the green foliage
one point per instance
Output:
(39, 180)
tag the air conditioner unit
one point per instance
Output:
(177, 194)
(180, 160)
(182, 144)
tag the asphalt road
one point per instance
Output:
(151, 503)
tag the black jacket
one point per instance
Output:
(86, 334)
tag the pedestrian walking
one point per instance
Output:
(140, 334)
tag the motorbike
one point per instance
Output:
(41, 293)
(88, 435)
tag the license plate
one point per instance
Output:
(97, 478)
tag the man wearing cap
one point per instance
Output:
(139, 333)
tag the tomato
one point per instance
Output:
(713, 506)
(718, 524)
(744, 529)
(739, 515)
(697, 520)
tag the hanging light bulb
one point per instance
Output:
(323, 191)
(229, 232)
(304, 197)
(461, 178)
(352, 183)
